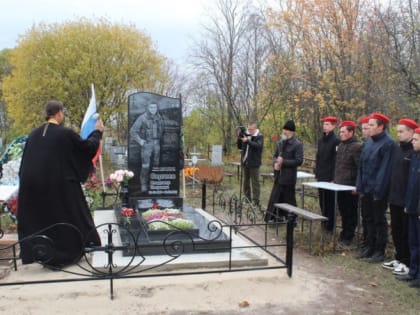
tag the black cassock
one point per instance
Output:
(54, 221)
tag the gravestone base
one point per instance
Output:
(200, 239)
(243, 254)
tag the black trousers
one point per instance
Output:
(399, 233)
(327, 205)
(414, 245)
(376, 223)
(280, 194)
(347, 204)
(365, 213)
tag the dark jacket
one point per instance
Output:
(347, 161)
(375, 166)
(399, 177)
(413, 187)
(325, 157)
(291, 150)
(251, 151)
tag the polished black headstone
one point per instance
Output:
(154, 134)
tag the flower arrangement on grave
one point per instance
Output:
(10, 161)
(119, 181)
(127, 214)
(120, 178)
(190, 170)
(11, 207)
(92, 190)
(9, 173)
(166, 219)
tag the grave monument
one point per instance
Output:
(154, 155)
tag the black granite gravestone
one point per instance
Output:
(154, 155)
(154, 125)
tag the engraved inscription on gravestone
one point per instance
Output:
(154, 125)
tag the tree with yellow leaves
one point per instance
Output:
(61, 61)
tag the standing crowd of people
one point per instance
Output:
(385, 174)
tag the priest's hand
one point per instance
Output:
(99, 125)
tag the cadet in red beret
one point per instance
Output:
(381, 117)
(412, 209)
(398, 189)
(364, 125)
(408, 122)
(346, 167)
(324, 169)
(347, 123)
(330, 119)
(373, 183)
(364, 120)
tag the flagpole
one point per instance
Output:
(101, 169)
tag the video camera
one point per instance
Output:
(241, 131)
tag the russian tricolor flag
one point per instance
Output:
(89, 122)
(90, 118)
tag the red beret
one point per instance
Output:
(346, 123)
(408, 122)
(330, 119)
(417, 130)
(381, 117)
(364, 120)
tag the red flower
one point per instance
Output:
(155, 205)
(127, 212)
(274, 138)
(12, 204)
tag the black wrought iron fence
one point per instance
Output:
(235, 218)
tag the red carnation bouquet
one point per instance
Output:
(127, 213)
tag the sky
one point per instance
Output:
(170, 23)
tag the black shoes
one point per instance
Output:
(412, 282)
(404, 277)
(344, 242)
(377, 257)
(415, 283)
(366, 253)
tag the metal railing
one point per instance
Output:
(243, 224)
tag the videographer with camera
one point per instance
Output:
(251, 142)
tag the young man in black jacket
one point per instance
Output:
(324, 169)
(399, 178)
(412, 208)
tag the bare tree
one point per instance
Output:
(231, 55)
(401, 26)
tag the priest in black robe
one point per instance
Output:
(54, 220)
